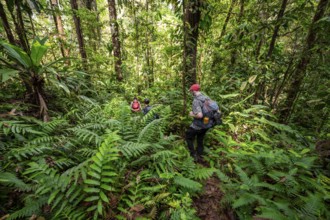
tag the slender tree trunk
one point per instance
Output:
(92, 35)
(282, 84)
(115, 39)
(230, 11)
(192, 15)
(277, 28)
(6, 25)
(300, 70)
(262, 84)
(19, 26)
(79, 33)
(149, 59)
(99, 31)
(137, 36)
(59, 28)
(184, 73)
(239, 34)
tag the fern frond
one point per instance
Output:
(271, 213)
(242, 174)
(44, 140)
(28, 151)
(87, 135)
(223, 177)
(102, 174)
(131, 149)
(19, 127)
(10, 179)
(243, 200)
(73, 213)
(204, 173)
(151, 132)
(30, 208)
(87, 152)
(52, 126)
(187, 183)
(313, 205)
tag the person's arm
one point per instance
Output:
(196, 110)
(198, 115)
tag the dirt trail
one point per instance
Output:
(208, 204)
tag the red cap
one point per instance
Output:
(195, 87)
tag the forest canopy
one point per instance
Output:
(71, 148)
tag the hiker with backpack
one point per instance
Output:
(206, 114)
(147, 107)
(135, 105)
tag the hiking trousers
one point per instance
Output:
(191, 133)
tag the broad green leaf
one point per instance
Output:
(18, 54)
(106, 187)
(92, 182)
(104, 197)
(92, 198)
(304, 151)
(92, 190)
(7, 74)
(93, 174)
(92, 208)
(109, 174)
(252, 79)
(37, 52)
(229, 96)
(99, 207)
(107, 180)
(99, 156)
(243, 85)
(96, 168)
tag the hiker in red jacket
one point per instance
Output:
(135, 105)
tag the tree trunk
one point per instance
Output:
(278, 91)
(239, 34)
(59, 28)
(277, 28)
(19, 25)
(262, 84)
(6, 25)
(148, 55)
(192, 15)
(79, 33)
(93, 36)
(115, 39)
(32, 26)
(223, 31)
(99, 31)
(300, 70)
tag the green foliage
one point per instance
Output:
(94, 159)
(102, 176)
(262, 176)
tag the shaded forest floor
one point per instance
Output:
(208, 203)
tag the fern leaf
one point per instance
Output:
(30, 208)
(11, 179)
(204, 173)
(187, 183)
(131, 149)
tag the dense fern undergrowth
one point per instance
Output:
(100, 161)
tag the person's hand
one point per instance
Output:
(191, 114)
